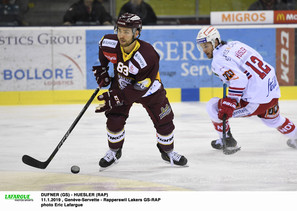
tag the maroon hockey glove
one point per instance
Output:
(101, 75)
(226, 106)
(111, 98)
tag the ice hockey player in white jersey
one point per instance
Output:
(253, 88)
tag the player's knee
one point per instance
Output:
(275, 122)
(165, 129)
(212, 109)
(115, 123)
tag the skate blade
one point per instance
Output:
(176, 166)
(108, 167)
(291, 144)
(231, 150)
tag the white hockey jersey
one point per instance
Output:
(248, 76)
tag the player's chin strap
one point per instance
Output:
(133, 36)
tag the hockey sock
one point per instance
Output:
(288, 129)
(219, 128)
(165, 141)
(115, 139)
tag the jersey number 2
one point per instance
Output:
(258, 66)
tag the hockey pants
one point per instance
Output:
(269, 114)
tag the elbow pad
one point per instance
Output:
(142, 85)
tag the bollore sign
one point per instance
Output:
(42, 59)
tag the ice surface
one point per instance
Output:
(265, 162)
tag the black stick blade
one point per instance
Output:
(33, 162)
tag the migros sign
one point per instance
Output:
(242, 17)
(254, 17)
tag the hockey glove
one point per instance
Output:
(226, 106)
(110, 99)
(101, 75)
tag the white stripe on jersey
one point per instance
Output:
(139, 58)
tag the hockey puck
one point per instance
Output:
(75, 169)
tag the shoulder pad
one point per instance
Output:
(109, 41)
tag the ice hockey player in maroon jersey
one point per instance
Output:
(136, 80)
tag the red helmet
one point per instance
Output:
(129, 20)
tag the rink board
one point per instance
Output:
(82, 96)
(52, 65)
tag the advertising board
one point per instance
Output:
(61, 58)
(42, 59)
(285, 56)
(182, 64)
(241, 17)
(285, 16)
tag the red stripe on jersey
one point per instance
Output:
(236, 88)
(112, 57)
(235, 91)
(235, 95)
(247, 74)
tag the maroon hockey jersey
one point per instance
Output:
(137, 73)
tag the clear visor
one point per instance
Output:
(201, 40)
(200, 43)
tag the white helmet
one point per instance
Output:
(208, 34)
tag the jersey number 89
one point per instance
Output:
(121, 68)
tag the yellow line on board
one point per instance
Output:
(206, 93)
(62, 97)
(82, 96)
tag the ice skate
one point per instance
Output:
(173, 157)
(292, 143)
(110, 158)
(230, 142)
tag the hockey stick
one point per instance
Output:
(42, 165)
(227, 150)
